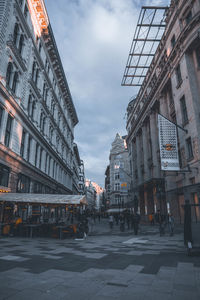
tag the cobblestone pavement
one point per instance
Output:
(107, 265)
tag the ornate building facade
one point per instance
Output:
(172, 88)
(119, 173)
(37, 114)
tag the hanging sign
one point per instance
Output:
(168, 145)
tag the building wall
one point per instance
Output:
(119, 173)
(163, 93)
(39, 101)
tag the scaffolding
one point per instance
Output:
(149, 31)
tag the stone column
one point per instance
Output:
(155, 145)
(145, 151)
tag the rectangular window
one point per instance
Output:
(184, 110)
(1, 115)
(25, 11)
(117, 187)
(4, 175)
(178, 75)
(22, 143)
(189, 148)
(8, 131)
(36, 154)
(23, 185)
(45, 168)
(29, 148)
(40, 161)
(116, 176)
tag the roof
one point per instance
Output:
(43, 198)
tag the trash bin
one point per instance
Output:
(191, 229)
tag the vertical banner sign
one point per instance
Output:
(168, 145)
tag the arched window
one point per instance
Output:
(15, 82)
(15, 34)
(9, 73)
(21, 43)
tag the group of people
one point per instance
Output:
(163, 220)
(131, 220)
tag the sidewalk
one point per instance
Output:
(108, 265)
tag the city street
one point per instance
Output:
(107, 265)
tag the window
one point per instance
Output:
(173, 41)
(16, 34)
(9, 73)
(21, 44)
(189, 148)
(188, 18)
(8, 131)
(22, 143)
(36, 153)
(29, 148)
(15, 82)
(178, 75)
(40, 161)
(1, 115)
(23, 185)
(46, 160)
(197, 52)
(117, 186)
(4, 175)
(184, 110)
(116, 176)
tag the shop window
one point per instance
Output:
(189, 148)
(23, 185)
(8, 131)
(23, 143)
(178, 76)
(184, 110)
(4, 175)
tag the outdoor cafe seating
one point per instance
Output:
(40, 215)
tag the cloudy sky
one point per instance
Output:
(94, 38)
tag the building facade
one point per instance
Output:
(172, 88)
(37, 114)
(90, 193)
(119, 173)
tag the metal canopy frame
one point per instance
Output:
(148, 33)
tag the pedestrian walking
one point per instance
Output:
(160, 219)
(136, 221)
(171, 224)
(110, 220)
(121, 223)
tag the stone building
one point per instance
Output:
(37, 114)
(90, 193)
(171, 87)
(119, 173)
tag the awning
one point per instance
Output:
(116, 210)
(43, 198)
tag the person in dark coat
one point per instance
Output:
(136, 221)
